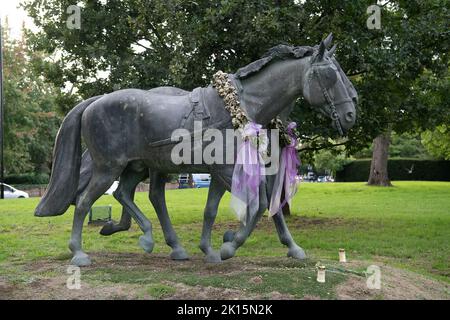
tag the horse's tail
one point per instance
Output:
(63, 184)
(86, 170)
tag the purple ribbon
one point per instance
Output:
(287, 174)
(247, 174)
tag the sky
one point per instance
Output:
(15, 16)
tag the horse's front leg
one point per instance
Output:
(294, 251)
(215, 193)
(285, 237)
(229, 248)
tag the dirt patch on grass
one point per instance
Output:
(293, 221)
(184, 291)
(55, 288)
(124, 276)
(5, 288)
(396, 284)
(155, 276)
(162, 263)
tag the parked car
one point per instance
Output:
(184, 181)
(11, 192)
(196, 180)
(201, 180)
(310, 176)
(112, 188)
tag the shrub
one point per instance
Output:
(398, 169)
(27, 179)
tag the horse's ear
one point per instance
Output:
(321, 53)
(328, 40)
(332, 50)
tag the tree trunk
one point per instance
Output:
(379, 166)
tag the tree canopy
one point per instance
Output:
(397, 69)
(437, 141)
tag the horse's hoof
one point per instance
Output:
(228, 236)
(146, 244)
(227, 251)
(108, 229)
(296, 253)
(179, 254)
(213, 257)
(81, 259)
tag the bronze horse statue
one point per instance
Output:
(128, 135)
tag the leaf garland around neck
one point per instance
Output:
(226, 90)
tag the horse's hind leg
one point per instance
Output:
(157, 198)
(128, 182)
(125, 220)
(215, 193)
(124, 224)
(99, 183)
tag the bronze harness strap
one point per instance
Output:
(331, 106)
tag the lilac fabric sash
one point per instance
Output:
(286, 176)
(248, 174)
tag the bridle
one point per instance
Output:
(330, 106)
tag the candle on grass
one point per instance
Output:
(342, 257)
(321, 274)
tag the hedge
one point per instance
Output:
(398, 169)
(27, 179)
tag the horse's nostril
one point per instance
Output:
(349, 116)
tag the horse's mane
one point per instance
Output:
(279, 52)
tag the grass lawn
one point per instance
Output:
(407, 226)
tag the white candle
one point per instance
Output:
(321, 274)
(342, 257)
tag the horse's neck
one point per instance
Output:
(269, 92)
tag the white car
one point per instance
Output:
(112, 188)
(11, 192)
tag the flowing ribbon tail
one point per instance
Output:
(247, 176)
(286, 176)
(290, 181)
(275, 200)
(239, 207)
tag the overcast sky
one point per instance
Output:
(15, 16)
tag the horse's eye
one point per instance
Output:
(330, 77)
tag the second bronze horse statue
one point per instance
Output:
(128, 135)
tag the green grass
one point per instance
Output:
(294, 280)
(407, 225)
(159, 291)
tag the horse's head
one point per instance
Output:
(327, 87)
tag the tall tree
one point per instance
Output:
(412, 43)
(143, 44)
(30, 103)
